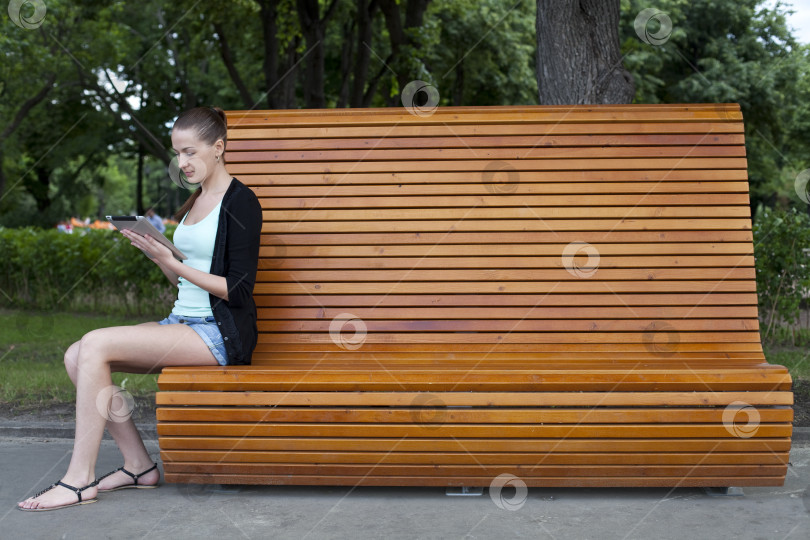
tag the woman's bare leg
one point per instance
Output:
(125, 434)
(140, 348)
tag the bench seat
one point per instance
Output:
(596, 421)
(562, 294)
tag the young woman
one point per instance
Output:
(213, 321)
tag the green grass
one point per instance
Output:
(32, 350)
(797, 360)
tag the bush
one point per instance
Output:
(781, 244)
(89, 270)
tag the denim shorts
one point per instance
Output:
(208, 329)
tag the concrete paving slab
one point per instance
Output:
(314, 512)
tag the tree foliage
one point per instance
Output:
(95, 87)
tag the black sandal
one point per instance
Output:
(76, 490)
(128, 486)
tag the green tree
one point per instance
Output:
(726, 51)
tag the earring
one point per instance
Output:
(217, 158)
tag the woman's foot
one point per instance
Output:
(66, 492)
(125, 477)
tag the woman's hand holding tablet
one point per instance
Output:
(145, 237)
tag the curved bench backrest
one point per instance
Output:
(613, 231)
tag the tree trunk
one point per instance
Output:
(414, 14)
(314, 30)
(268, 11)
(230, 65)
(345, 64)
(365, 16)
(578, 57)
(289, 79)
(458, 84)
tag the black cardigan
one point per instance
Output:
(236, 257)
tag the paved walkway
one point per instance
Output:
(29, 464)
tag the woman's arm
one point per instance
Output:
(173, 278)
(215, 285)
(174, 269)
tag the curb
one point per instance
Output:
(801, 435)
(61, 430)
(66, 430)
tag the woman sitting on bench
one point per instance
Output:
(213, 321)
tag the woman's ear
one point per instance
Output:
(219, 147)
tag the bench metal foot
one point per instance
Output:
(723, 491)
(464, 491)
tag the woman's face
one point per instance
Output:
(194, 157)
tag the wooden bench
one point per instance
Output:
(564, 294)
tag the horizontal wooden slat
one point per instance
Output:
(494, 338)
(666, 458)
(240, 131)
(484, 324)
(581, 300)
(416, 444)
(585, 286)
(545, 481)
(433, 413)
(500, 153)
(639, 261)
(475, 115)
(598, 225)
(264, 183)
(483, 141)
(495, 399)
(730, 272)
(520, 190)
(603, 164)
(594, 471)
(473, 378)
(556, 359)
(544, 353)
(712, 203)
(383, 214)
(643, 255)
(590, 313)
(650, 238)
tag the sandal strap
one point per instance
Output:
(102, 477)
(136, 476)
(76, 490)
(47, 489)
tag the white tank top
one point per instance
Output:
(197, 242)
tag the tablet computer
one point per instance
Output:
(141, 225)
